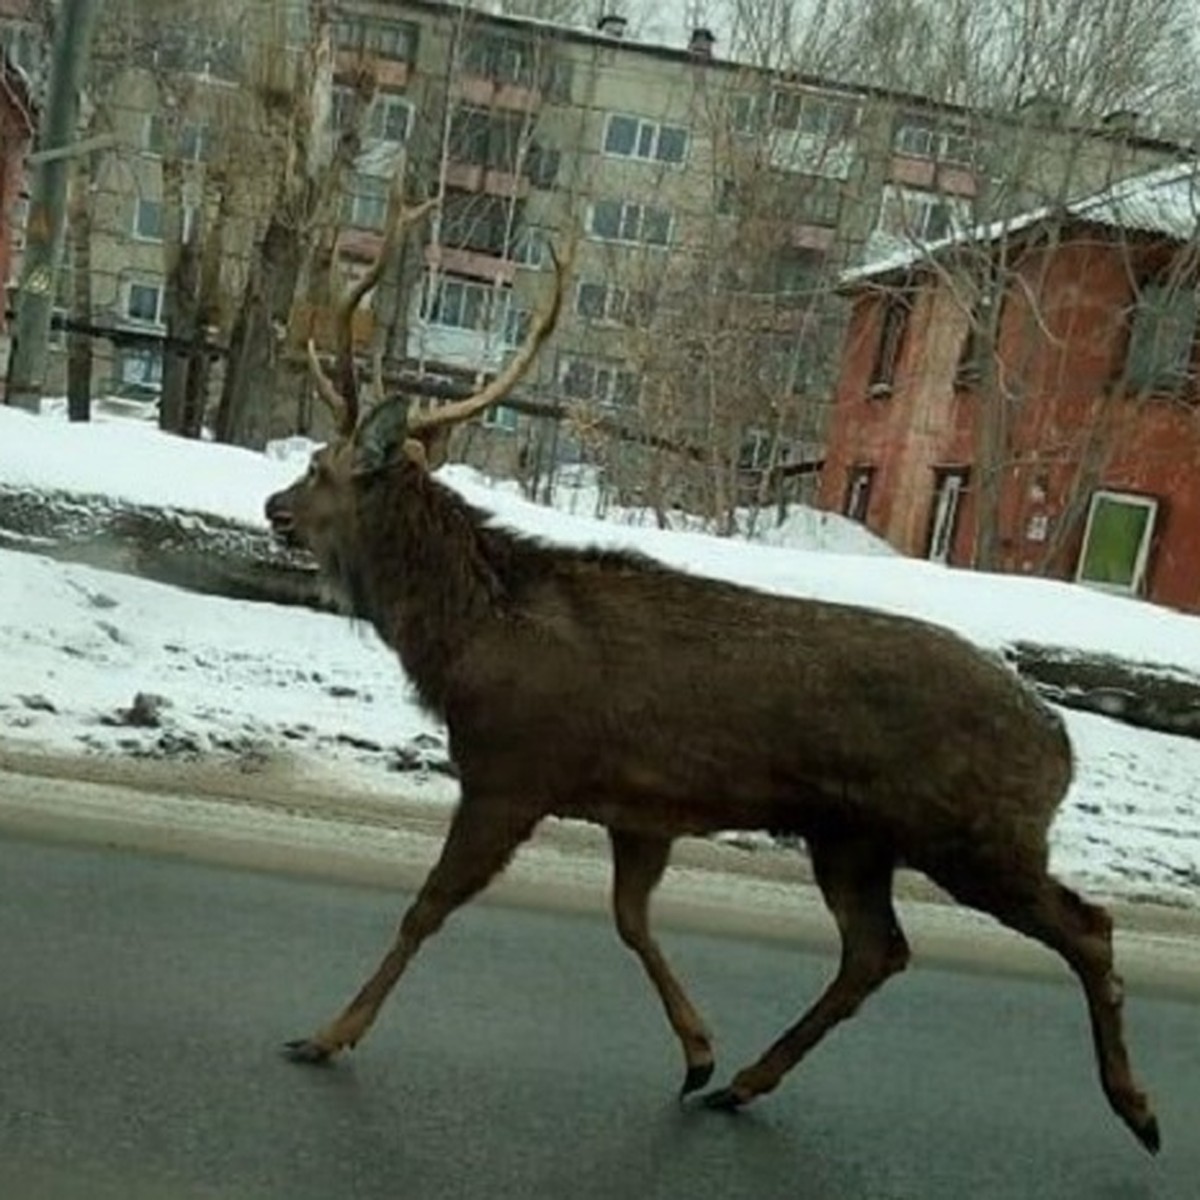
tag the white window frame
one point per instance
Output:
(355, 34)
(494, 307)
(189, 218)
(530, 247)
(365, 196)
(608, 369)
(916, 138)
(151, 379)
(917, 208)
(1142, 558)
(647, 140)
(616, 303)
(627, 208)
(160, 293)
(153, 147)
(501, 418)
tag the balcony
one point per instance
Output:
(480, 92)
(471, 177)
(924, 173)
(476, 264)
(390, 73)
(466, 348)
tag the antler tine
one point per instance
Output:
(342, 397)
(495, 391)
(325, 389)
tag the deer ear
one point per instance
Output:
(380, 435)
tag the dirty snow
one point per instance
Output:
(263, 683)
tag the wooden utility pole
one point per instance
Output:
(48, 203)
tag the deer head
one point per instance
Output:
(316, 511)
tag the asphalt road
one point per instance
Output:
(143, 1001)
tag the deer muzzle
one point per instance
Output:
(279, 514)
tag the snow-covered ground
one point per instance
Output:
(262, 682)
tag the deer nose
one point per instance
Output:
(276, 510)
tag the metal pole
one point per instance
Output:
(47, 207)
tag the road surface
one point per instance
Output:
(143, 1001)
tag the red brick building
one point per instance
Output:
(1047, 421)
(16, 133)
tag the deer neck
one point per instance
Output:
(423, 577)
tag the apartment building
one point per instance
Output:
(714, 206)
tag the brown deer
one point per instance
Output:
(603, 686)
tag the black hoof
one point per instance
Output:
(1149, 1135)
(304, 1050)
(722, 1100)
(697, 1076)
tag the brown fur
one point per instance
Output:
(604, 686)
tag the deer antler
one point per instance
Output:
(540, 329)
(342, 397)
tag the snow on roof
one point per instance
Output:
(1165, 201)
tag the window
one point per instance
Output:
(379, 38)
(1162, 335)
(891, 340)
(456, 303)
(141, 369)
(744, 112)
(920, 137)
(194, 140)
(365, 202)
(633, 137)
(858, 493)
(541, 165)
(185, 49)
(500, 417)
(144, 302)
(529, 247)
(1116, 541)
(949, 484)
(488, 139)
(816, 116)
(912, 214)
(504, 59)
(476, 221)
(148, 220)
(609, 304)
(386, 118)
(624, 221)
(598, 381)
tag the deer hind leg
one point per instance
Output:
(481, 840)
(855, 878)
(1037, 905)
(638, 864)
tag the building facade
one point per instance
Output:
(1064, 430)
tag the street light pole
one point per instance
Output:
(47, 206)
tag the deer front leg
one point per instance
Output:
(638, 865)
(481, 840)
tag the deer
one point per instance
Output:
(601, 685)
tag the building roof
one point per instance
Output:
(1164, 202)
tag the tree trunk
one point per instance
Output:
(79, 345)
(179, 294)
(252, 369)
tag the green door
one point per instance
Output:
(1117, 541)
